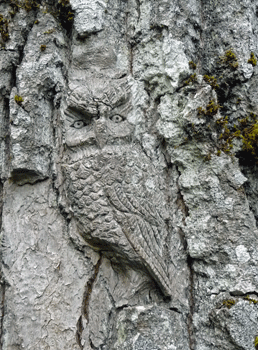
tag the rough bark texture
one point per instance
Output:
(128, 193)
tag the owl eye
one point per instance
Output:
(116, 118)
(78, 124)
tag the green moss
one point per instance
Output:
(192, 65)
(252, 59)
(18, 99)
(250, 139)
(191, 80)
(230, 55)
(201, 111)
(237, 134)
(4, 28)
(247, 130)
(207, 157)
(50, 31)
(211, 80)
(254, 301)
(234, 65)
(61, 10)
(229, 303)
(64, 2)
(27, 5)
(64, 14)
(212, 108)
(226, 136)
(256, 342)
(223, 121)
(249, 134)
(230, 59)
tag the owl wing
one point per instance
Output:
(144, 229)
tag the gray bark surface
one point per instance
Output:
(128, 164)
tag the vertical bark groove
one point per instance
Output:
(88, 290)
(2, 282)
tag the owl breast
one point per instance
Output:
(118, 204)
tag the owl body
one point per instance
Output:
(113, 188)
(116, 199)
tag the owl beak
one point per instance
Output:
(101, 132)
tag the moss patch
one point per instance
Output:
(27, 5)
(18, 99)
(192, 65)
(229, 303)
(50, 31)
(229, 59)
(252, 59)
(256, 343)
(191, 80)
(212, 108)
(64, 13)
(61, 10)
(254, 301)
(4, 28)
(211, 80)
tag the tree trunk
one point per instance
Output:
(128, 191)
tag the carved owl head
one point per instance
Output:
(97, 112)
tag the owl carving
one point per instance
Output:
(111, 185)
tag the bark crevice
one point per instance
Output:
(185, 211)
(88, 290)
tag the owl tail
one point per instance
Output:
(151, 263)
